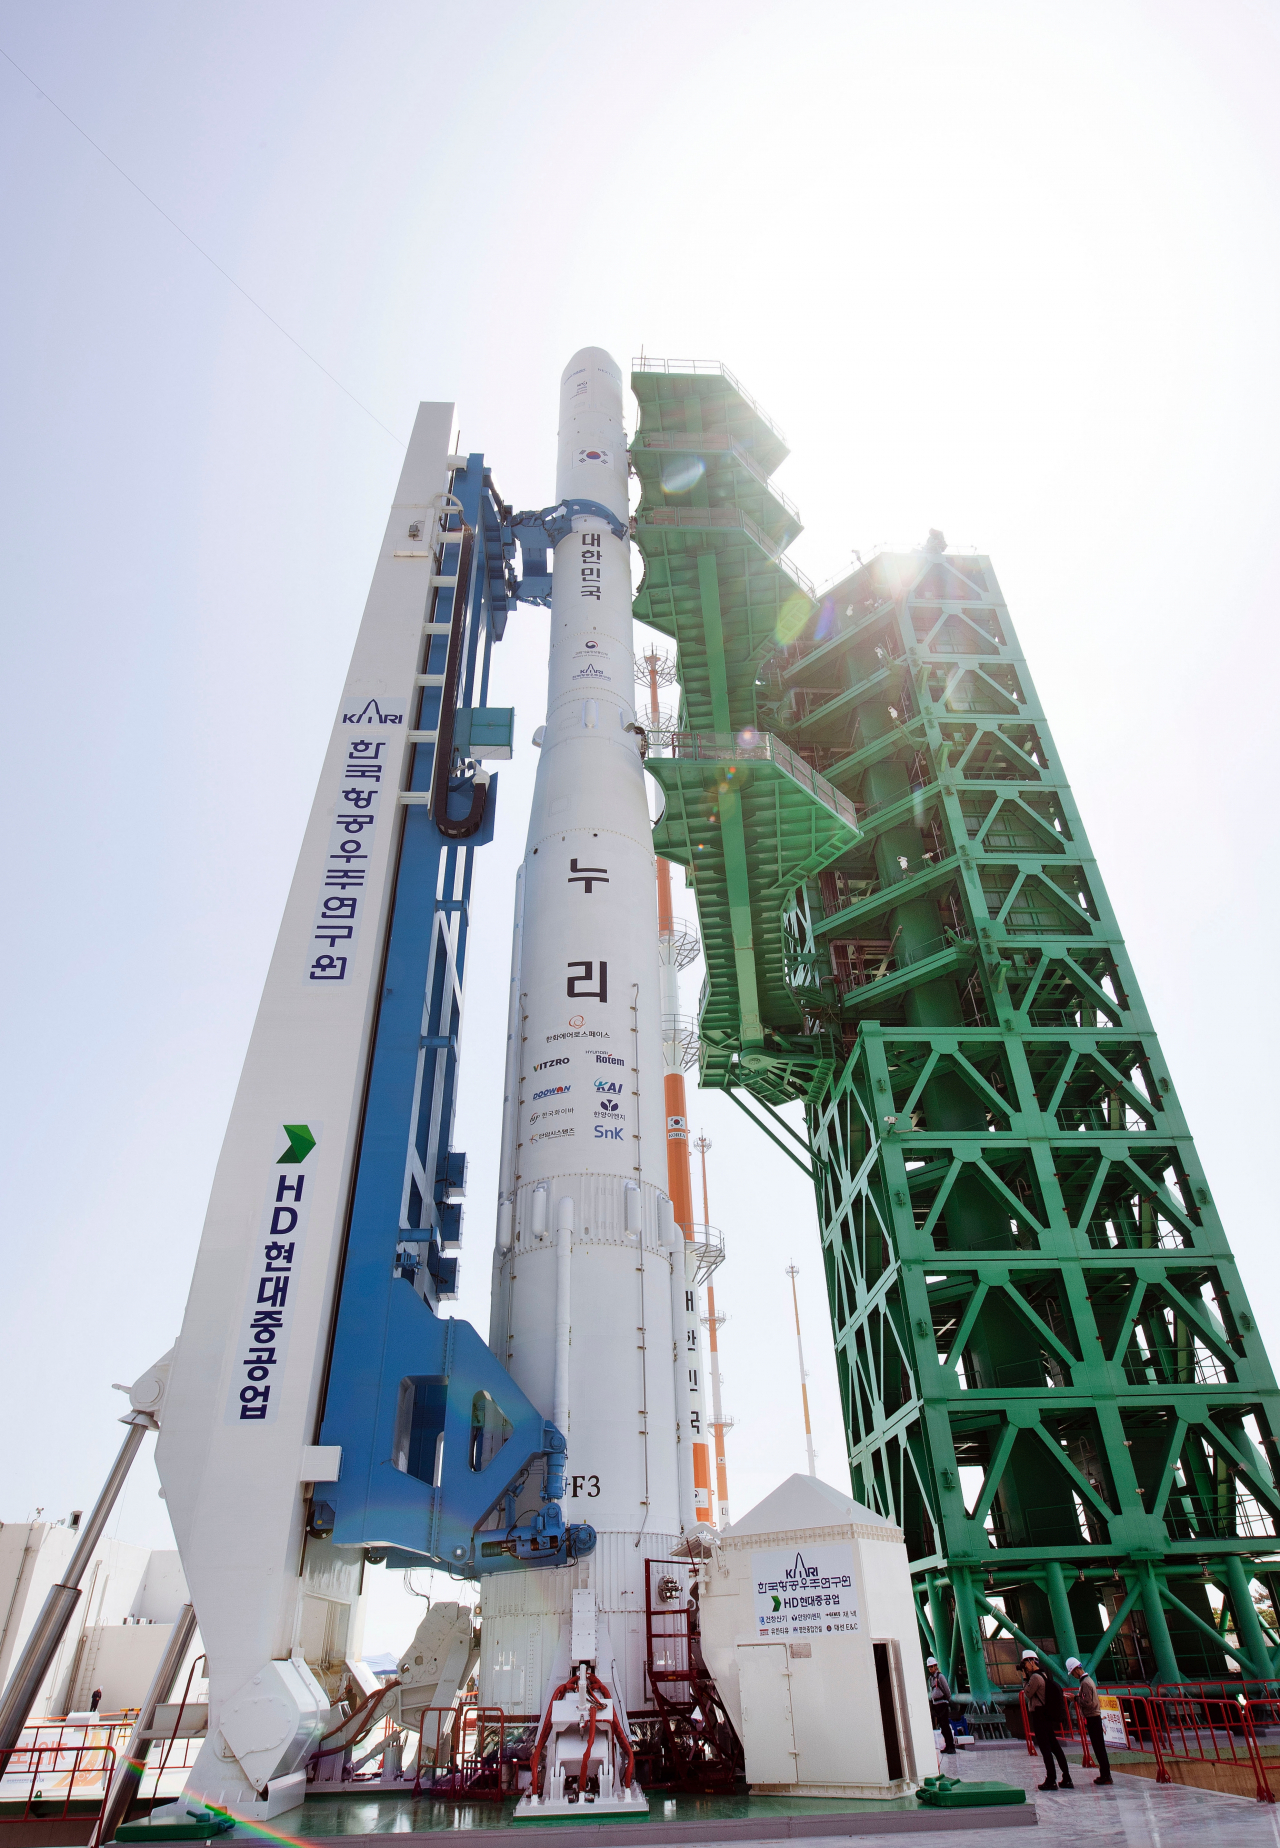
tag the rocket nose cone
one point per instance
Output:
(592, 361)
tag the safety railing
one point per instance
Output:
(709, 368)
(728, 519)
(1077, 1730)
(41, 1774)
(708, 1242)
(759, 747)
(714, 442)
(1187, 1722)
(474, 1752)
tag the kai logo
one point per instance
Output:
(606, 1084)
(371, 713)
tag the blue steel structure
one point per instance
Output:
(442, 1454)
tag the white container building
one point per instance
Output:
(809, 1629)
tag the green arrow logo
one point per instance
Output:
(777, 1603)
(301, 1143)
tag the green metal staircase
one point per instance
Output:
(1050, 1375)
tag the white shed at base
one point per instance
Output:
(809, 1628)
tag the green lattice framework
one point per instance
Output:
(1049, 1371)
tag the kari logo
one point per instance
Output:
(590, 673)
(546, 1064)
(800, 1572)
(371, 713)
(594, 455)
(607, 1058)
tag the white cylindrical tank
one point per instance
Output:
(582, 1311)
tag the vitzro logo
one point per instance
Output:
(547, 1064)
(607, 1058)
(371, 713)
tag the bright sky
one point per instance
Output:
(1006, 269)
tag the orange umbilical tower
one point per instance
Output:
(677, 946)
(719, 1423)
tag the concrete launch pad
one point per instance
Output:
(1134, 1813)
(671, 1821)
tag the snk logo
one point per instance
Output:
(371, 713)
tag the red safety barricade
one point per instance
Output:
(1076, 1728)
(1192, 1722)
(472, 1751)
(1201, 1723)
(43, 1773)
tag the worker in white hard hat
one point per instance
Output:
(1047, 1711)
(1091, 1707)
(940, 1706)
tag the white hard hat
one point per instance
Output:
(932, 1662)
(1073, 1663)
(1029, 1655)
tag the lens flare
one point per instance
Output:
(679, 477)
(792, 617)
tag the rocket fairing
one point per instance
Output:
(583, 1300)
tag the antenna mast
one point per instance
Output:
(793, 1273)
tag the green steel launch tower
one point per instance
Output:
(1051, 1379)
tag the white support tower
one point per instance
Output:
(236, 1452)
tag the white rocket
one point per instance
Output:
(583, 1297)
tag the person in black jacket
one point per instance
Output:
(1048, 1711)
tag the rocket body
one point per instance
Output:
(583, 1301)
